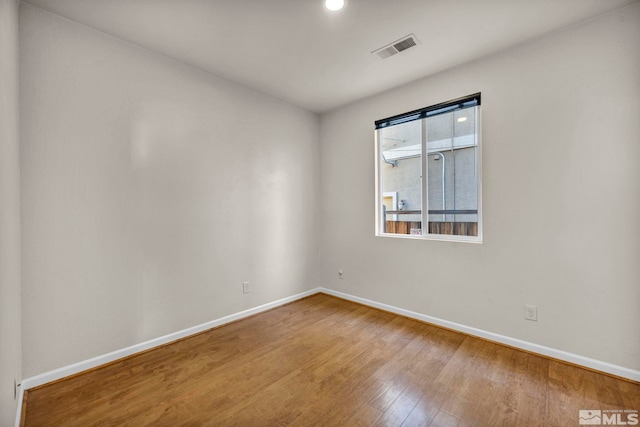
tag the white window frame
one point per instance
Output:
(379, 214)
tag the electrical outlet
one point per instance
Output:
(531, 312)
(340, 274)
(246, 288)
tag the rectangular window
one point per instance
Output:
(428, 171)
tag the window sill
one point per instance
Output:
(436, 237)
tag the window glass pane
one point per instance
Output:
(400, 148)
(428, 166)
(452, 144)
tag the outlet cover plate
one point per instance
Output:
(531, 312)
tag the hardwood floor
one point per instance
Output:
(323, 361)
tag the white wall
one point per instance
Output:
(150, 191)
(561, 170)
(10, 338)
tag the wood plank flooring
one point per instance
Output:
(323, 361)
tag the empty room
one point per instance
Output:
(319, 213)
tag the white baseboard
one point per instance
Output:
(84, 365)
(597, 365)
(19, 408)
(76, 368)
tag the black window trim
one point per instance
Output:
(433, 110)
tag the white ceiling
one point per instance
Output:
(297, 51)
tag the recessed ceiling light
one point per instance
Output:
(462, 119)
(334, 4)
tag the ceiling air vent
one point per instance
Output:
(397, 46)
